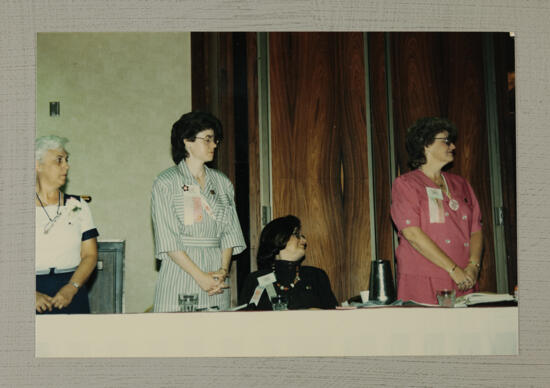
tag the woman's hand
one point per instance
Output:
(472, 272)
(43, 302)
(64, 296)
(462, 279)
(220, 274)
(210, 283)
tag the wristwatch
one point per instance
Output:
(75, 285)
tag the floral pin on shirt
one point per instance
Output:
(72, 209)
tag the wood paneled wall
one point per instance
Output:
(318, 137)
(212, 89)
(253, 146)
(505, 88)
(319, 120)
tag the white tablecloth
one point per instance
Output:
(362, 332)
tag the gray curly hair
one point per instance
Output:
(46, 143)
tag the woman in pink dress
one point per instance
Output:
(437, 216)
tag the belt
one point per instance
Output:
(201, 242)
(54, 270)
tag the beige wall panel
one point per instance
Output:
(119, 94)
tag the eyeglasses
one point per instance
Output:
(208, 139)
(298, 235)
(446, 140)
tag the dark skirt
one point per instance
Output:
(51, 283)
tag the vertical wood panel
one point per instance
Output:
(253, 145)
(212, 89)
(319, 150)
(464, 57)
(225, 105)
(350, 97)
(200, 82)
(306, 147)
(505, 88)
(380, 144)
(417, 84)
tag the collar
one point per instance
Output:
(187, 176)
(425, 178)
(285, 270)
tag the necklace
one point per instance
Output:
(296, 280)
(50, 224)
(453, 203)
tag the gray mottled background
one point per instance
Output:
(20, 20)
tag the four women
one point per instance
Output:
(196, 229)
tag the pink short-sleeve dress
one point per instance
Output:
(416, 202)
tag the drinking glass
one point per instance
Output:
(279, 303)
(446, 298)
(188, 302)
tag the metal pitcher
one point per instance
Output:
(381, 288)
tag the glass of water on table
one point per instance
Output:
(188, 302)
(446, 298)
(279, 303)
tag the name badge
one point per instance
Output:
(435, 205)
(266, 282)
(270, 278)
(270, 291)
(434, 193)
(206, 206)
(192, 204)
(257, 295)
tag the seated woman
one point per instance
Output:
(282, 250)
(66, 247)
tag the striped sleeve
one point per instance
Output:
(165, 222)
(232, 236)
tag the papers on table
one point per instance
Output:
(370, 304)
(473, 299)
(482, 297)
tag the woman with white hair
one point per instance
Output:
(66, 245)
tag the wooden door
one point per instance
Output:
(319, 143)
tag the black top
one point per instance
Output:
(311, 291)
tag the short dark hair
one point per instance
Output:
(274, 237)
(187, 128)
(421, 134)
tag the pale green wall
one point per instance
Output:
(119, 95)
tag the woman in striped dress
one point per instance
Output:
(195, 222)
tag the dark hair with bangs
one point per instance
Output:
(187, 128)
